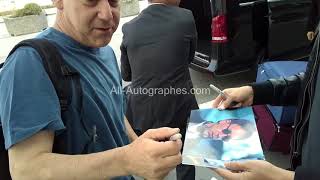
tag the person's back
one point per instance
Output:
(158, 42)
(157, 49)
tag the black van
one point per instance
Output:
(235, 35)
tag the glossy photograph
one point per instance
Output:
(214, 137)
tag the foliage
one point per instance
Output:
(29, 9)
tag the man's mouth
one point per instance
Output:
(104, 29)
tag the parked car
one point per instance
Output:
(235, 35)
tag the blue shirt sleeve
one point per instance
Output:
(28, 100)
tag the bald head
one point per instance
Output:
(90, 22)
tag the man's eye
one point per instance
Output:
(90, 2)
(114, 3)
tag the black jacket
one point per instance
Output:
(157, 48)
(314, 15)
(302, 90)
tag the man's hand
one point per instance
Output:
(310, 35)
(151, 155)
(242, 96)
(252, 170)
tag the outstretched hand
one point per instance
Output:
(236, 97)
(252, 170)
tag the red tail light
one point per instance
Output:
(219, 29)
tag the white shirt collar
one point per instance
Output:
(149, 4)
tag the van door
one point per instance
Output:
(201, 10)
(247, 32)
(287, 28)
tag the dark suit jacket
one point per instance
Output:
(157, 48)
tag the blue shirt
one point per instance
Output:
(29, 103)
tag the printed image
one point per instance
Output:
(214, 137)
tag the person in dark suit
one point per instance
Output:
(157, 48)
(313, 19)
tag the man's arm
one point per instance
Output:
(132, 135)
(278, 91)
(125, 65)
(32, 159)
(194, 40)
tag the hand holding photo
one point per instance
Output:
(215, 136)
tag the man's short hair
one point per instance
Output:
(248, 127)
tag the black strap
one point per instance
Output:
(56, 69)
(60, 76)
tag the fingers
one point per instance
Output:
(216, 102)
(161, 133)
(162, 147)
(226, 174)
(234, 170)
(168, 148)
(309, 38)
(225, 104)
(238, 166)
(310, 35)
(235, 104)
(171, 162)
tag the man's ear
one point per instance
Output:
(58, 4)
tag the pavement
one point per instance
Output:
(199, 79)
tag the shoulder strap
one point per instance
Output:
(54, 65)
(59, 74)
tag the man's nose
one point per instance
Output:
(105, 10)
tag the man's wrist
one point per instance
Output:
(132, 136)
(288, 175)
(123, 157)
(250, 94)
(279, 173)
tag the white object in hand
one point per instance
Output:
(218, 91)
(175, 137)
(224, 96)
